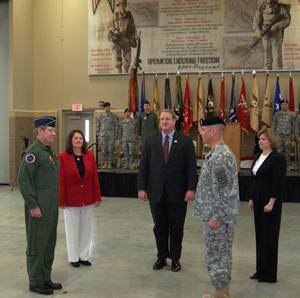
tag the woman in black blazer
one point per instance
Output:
(268, 173)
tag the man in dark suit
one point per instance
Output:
(168, 178)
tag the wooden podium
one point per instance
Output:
(232, 138)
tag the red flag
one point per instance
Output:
(187, 108)
(254, 121)
(222, 99)
(291, 101)
(242, 111)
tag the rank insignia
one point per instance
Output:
(56, 156)
(30, 158)
(50, 158)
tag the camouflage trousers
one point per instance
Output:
(273, 50)
(128, 150)
(218, 253)
(284, 147)
(107, 145)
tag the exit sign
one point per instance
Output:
(77, 107)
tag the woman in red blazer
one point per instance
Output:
(79, 193)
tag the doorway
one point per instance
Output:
(79, 120)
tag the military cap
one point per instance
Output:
(146, 102)
(212, 120)
(127, 110)
(45, 121)
(284, 101)
(122, 2)
(106, 104)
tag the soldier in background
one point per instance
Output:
(107, 133)
(297, 136)
(217, 204)
(284, 126)
(147, 123)
(128, 138)
(272, 40)
(122, 36)
(38, 180)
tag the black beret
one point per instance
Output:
(212, 120)
(146, 102)
(106, 104)
(127, 110)
(284, 101)
(45, 121)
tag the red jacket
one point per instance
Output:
(74, 191)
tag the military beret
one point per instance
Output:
(212, 120)
(284, 101)
(45, 121)
(146, 102)
(127, 110)
(106, 104)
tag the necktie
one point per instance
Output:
(166, 148)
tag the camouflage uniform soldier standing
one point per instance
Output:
(284, 126)
(217, 203)
(38, 180)
(128, 137)
(122, 36)
(297, 135)
(107, 132)
(272, 40)
(148, 123)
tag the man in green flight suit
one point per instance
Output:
(38, 180)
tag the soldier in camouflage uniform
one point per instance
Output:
(122, 36)
(217, 203)
(297, 136)
(128, 138)
(272, 40)
(107, 132)
(284, 126)
(147, 122)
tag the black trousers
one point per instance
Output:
(267, 227)
(168, 228)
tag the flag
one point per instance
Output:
(143, 93)
(222, 99)
(187, 108)
(242, 111)
(254, 121)
(277, 99)
(168, 103)
(133, 96)
(267, 115)
(291, 97)
(199, 112)
(156, 104)
(210, 106)
(232, 111)
(178, 102)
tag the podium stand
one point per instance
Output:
(232, 138)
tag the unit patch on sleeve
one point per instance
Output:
(221, 176)
(30, 158)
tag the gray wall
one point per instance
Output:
(4, 115)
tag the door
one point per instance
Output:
(83, 121)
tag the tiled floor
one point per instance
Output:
(123, 251)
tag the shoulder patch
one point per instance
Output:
(221, 176)
(30, 158)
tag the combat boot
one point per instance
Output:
(109, 167)
(131, 167)
(126, 167)
(219, 293)
(104, 165)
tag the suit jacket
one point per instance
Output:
(74, 191)
(178, 175)
(269, 179)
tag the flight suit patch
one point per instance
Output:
(50, 158)
(30, 158)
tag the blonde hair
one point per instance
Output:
(270, 135)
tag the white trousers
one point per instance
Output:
(78, 227)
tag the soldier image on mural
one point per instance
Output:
(269, 23)
(122, 36)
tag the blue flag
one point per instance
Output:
(143, 96)
(168, 104)
(232, 111)
(277, 99)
